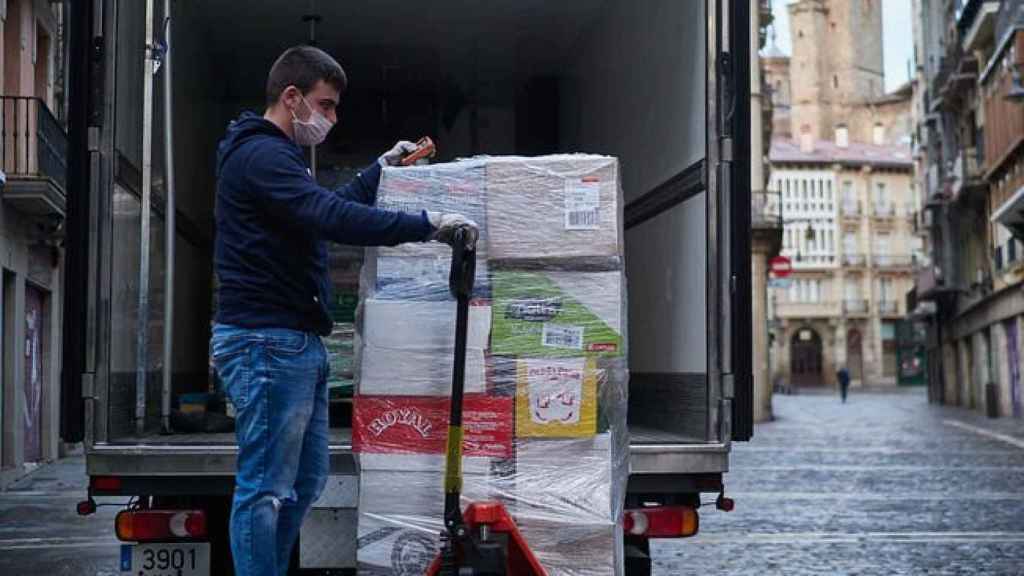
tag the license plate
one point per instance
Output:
(175, 559)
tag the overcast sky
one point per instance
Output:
(897, 37)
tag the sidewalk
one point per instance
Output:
(62, 475)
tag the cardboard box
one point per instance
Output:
(410, 325)
(419, 425)
(563, 206)
(556, 398)
(422, 278)
(386, 371)
(570, 480)
(452, 187)
(557, 314)
(400, 519)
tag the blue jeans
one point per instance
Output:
(277, 380)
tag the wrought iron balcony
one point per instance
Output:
(884, 209)
(855, 307)
(853, 259)
(889, 261)
(33, 150)
(851, 209)
(888, 307)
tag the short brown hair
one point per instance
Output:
(303, 67)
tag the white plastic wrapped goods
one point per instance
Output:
(565, 206)
(415, 325)
(544, 415)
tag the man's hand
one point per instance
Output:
(394, 156)
(445, 226)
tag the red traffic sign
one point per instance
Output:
(780, 266)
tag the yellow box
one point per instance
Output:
(556, 398)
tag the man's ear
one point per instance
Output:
(290, 97)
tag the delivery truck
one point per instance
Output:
(660, 85)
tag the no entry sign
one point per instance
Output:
(780, 266)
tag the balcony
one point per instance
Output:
(853, 260)
(824, 309)
(883, 210)
(766, 209)
(855, 307)
(33, 149)
(976, 22)
(888, 308)
(891, 261)
(850, 209)
(966, 172)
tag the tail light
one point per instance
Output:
(105, 483)
(661, 522)
(153, 525)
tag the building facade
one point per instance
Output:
(32, 201)
(848, 229)
(840, 161)
(970, 158)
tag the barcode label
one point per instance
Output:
(558, 336)
(582, 205)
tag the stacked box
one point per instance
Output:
(546, 378)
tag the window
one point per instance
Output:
(829, 184)
(848, 194)
(831, 241)
(850, 243)
(885, 290)
(815, 290)
(881, 194)
(882, 243)
(852, 289)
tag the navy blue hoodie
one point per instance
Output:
(273, 221)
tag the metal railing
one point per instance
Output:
(887, 307)
(892, 260)
(853, 259)
(884, 209)
(851, 208)
(32, 141)
(855, 306)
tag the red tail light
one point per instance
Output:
(662, 522)
(106, 483)
(152, 525)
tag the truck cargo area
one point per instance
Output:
(523, 77)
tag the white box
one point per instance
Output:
(386, 371)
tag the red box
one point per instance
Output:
(419, 425)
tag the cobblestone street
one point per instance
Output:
(885, 484)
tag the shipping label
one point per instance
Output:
(560, 336)
(582, 205)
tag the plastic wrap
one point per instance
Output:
(544, 415)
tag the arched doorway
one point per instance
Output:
(805, 358)
(855, 355)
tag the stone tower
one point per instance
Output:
(836, 63)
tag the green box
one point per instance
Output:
(557, 314)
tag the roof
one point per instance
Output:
(785, 151)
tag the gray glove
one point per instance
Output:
(445, 226)
(394, 156)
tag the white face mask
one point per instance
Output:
(313, 131)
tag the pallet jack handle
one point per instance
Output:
(484, 541)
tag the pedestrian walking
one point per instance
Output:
(844, 382)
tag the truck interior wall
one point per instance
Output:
(529, 77)
(652, 117)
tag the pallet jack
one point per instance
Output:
(484, 540)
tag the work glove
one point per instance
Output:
(394, 156)
(445, 226)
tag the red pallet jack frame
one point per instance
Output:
(483, 541)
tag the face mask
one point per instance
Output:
(313, 131)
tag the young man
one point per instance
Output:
(273, 221)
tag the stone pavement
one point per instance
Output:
(885, 484)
